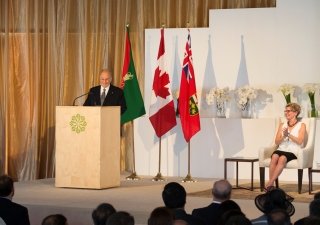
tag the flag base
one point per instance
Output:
(159, 177)
(133, 176)
(189, 179)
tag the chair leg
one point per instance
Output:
(310, 180)
(300, 173)
(277, 183)
(262, 178)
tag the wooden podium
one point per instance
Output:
(87, 147)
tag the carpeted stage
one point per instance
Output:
(139, 198)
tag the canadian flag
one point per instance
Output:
(162, 114)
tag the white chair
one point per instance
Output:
(304, 157)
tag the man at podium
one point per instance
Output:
(106, 94)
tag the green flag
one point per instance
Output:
(130, 86)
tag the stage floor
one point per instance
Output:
(139, 198)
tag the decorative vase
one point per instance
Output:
(246, 110)
(288, 98)
(221, 109)
(313, 112)
(177, 109)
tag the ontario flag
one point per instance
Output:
(162, 114)
(130, 86)
(188, 101)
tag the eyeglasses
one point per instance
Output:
(287, 111)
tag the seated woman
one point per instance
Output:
(290, 137)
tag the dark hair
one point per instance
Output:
(161, 215)
(278, 217)
(314, 208)
(57, 219)
(238, 220)
(174, 195)
(227, 215)
(6, 185)
(311, 220)
(222, 189)
(120, 218)
(317, 195)
(227, 206)
(101, 214)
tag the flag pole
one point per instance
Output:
(188, 178)
(134, 175)
(159, 177)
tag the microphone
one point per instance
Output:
(80, 97)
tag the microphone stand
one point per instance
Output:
(79, 97)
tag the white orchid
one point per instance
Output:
(245, 94)
(310, 88)
(222, 95)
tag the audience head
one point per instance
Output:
(274, 199)
(101, 214)
(6, 186)
(227, 206)
(120, 218)
(317, 195)
(312, 220)
(227, 215)
(178, 222)
(238, 220)
(314, 208)
(221, 190)
(174, 195)
(57, 219)
(160, 216)
(278, 217)
(294, 107)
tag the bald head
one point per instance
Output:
(178, 222)
(221, 190)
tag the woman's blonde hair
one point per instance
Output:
(294, 107)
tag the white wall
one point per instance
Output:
(261, 47)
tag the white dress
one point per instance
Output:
(288, 145)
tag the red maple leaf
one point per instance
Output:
(159, 84)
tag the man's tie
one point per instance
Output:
(103, 96)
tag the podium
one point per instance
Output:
(87, 147)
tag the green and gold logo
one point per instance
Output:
(78, 123)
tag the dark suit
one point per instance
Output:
(13, 213)
(180, 214)
(209, 213)
(115, 97)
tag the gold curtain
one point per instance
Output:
(53, 50)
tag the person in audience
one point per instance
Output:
(10, 212)
(120, 218)
(289, 138)
(227, 215)
(238, 220)
(178, 222)
(274, 198)
(312, 220)
(57, 219)
(174, 197)
(316, 195)
(227, 206)
(161, 216)
(314, 210)
(221, 192)
(101, 214)
(278, 217)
